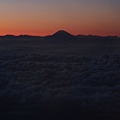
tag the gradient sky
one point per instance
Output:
(43, 17)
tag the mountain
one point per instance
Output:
(19, 37)
(63, 36)
(62, 33)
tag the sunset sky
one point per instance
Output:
(43, 17)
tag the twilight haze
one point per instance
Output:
(43, 17)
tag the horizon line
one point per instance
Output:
(30, 35)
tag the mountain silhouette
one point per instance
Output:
(63, 36)
(62, 33)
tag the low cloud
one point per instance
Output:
(86, 81)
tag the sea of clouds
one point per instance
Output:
(60, 80)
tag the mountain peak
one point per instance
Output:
(62, 33)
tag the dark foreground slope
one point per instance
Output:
(49, 78)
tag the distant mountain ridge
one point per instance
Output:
(61, 35)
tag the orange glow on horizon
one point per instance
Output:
(45, 33)
(45, 17)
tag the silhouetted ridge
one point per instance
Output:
(9, 36)
(61, 36)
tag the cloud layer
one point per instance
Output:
(89, 82)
